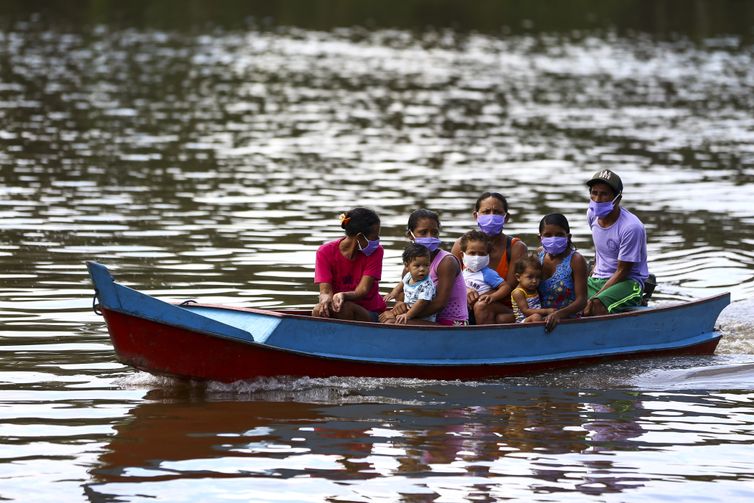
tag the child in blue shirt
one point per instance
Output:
(482, 282)
(416, 285)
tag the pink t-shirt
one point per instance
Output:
(455, 309)
(345, 274)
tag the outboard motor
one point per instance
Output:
(649, 288)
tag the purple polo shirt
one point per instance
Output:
(625, 240)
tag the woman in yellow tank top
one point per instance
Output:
(491, 214)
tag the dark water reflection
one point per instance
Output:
(209, 160)
(426, 441)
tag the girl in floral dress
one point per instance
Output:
(564, 271)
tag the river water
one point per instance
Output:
(209, 160)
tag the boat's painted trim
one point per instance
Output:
(128, 301)
(134, 341)
(164, 338)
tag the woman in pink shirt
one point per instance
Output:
(348, 270)
(450, 302)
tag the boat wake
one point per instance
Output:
(731, 376)
(736, 323)
(291, 389)
(145, 380)
(345, 384)
(732, 368)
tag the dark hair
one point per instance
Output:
(476, 236)
(528, 261)
(496, 195)
(359, 220)
(413, 251)
(416, 215)
(554, 219)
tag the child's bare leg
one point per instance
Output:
(534, 317)
(481, 314)
(505, 317)
(487, 314)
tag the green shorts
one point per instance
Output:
(618, 297)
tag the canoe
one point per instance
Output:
(209, 342)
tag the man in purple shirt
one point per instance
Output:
(620, 245)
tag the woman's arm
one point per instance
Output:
(393, 294)
(362, 289)
(579, 270)
(447, 272)
(456, 251)
(397, 292)
(323, 306)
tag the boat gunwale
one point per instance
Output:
(189, 304)
(504, 326)
(461, 364)
(118, 305)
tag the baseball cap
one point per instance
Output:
(608, 177)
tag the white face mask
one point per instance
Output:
(476, 263)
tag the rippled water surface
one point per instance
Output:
(209, 163)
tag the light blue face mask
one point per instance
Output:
(371, 246)
(430, 243)
(555, 245)
(602, 210)
(492, 225)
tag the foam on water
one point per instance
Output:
(736, 323)
(738, 376)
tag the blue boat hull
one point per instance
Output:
(228, 344)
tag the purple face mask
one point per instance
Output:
(555, 245)
(430, 243)
(602, 210)
(492, 225)
(370, 247)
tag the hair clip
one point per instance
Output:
(344, 219)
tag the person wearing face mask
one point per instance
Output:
(564, 270)
(482, 279)
(491, 214)
(620, 246)
(348, 270)
(417, 287)
(449, 303)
